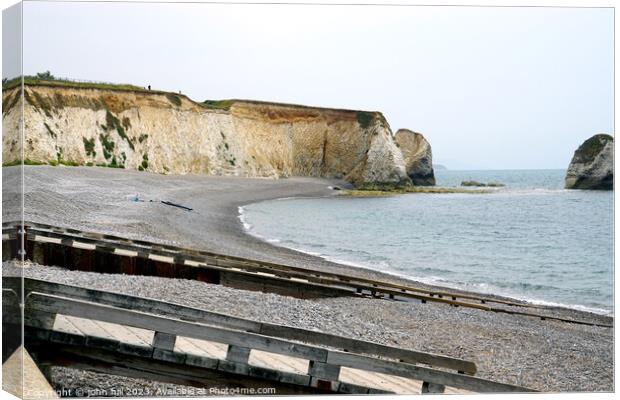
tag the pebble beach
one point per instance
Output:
(543, 355)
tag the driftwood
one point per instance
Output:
(168, 203)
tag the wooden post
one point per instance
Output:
(39, 319)
(164, 341)
(429, 387)
(323, 370)
(238, 354)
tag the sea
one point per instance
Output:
(532, 239)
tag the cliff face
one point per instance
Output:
(418, 157)
(168, 133)
(592, 166)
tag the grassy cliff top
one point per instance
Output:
(227, 103)
(364, 117)
(36, 81)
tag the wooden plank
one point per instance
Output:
(183, 345)
(65, 332)
(45, 239)
(139, 304)
(421, 373)
(376, 380)
(307, 336)
(64, 324)
(360, 346)
(210, 349)
(51, 303)
(94, 334)
(158, 370)
(278, 361)
(135, 336)
(128, 253)
(85, 246)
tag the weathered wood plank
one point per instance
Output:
(210, 349)
(141, 304)
(286, 332)
(377, 380)
(136, 336)
(79, 308)
(421, 373)
(359, 346)
(159, 370)
(284, 363)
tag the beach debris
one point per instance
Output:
(135, 198)
(169, 203)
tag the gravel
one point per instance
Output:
(68, 382)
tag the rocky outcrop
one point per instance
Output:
(592, 166)
(482, 184)
(418, 157)
(169, 133)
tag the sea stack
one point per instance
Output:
(592, 166)
(418, 157)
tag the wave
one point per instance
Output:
(242, 218)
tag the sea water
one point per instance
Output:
(530, 240)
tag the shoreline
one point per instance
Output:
(216, 201)
(546, 355)
(419, 281)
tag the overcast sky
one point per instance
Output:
(491, 88)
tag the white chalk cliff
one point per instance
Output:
(169, 133)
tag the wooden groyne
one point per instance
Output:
(150, 339)
(87, 251)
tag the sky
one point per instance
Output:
(489, 87)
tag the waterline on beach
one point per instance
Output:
(544, 245)
(481, 288)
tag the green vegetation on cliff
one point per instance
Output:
(89, 147)
(53, 81)
(364, 118)
(592, 147)
(174, 99)
(113, 123)
(218, 104)
(19, 162)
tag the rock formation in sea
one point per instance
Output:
(418, 157)
(592, 166)
(163, 132)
